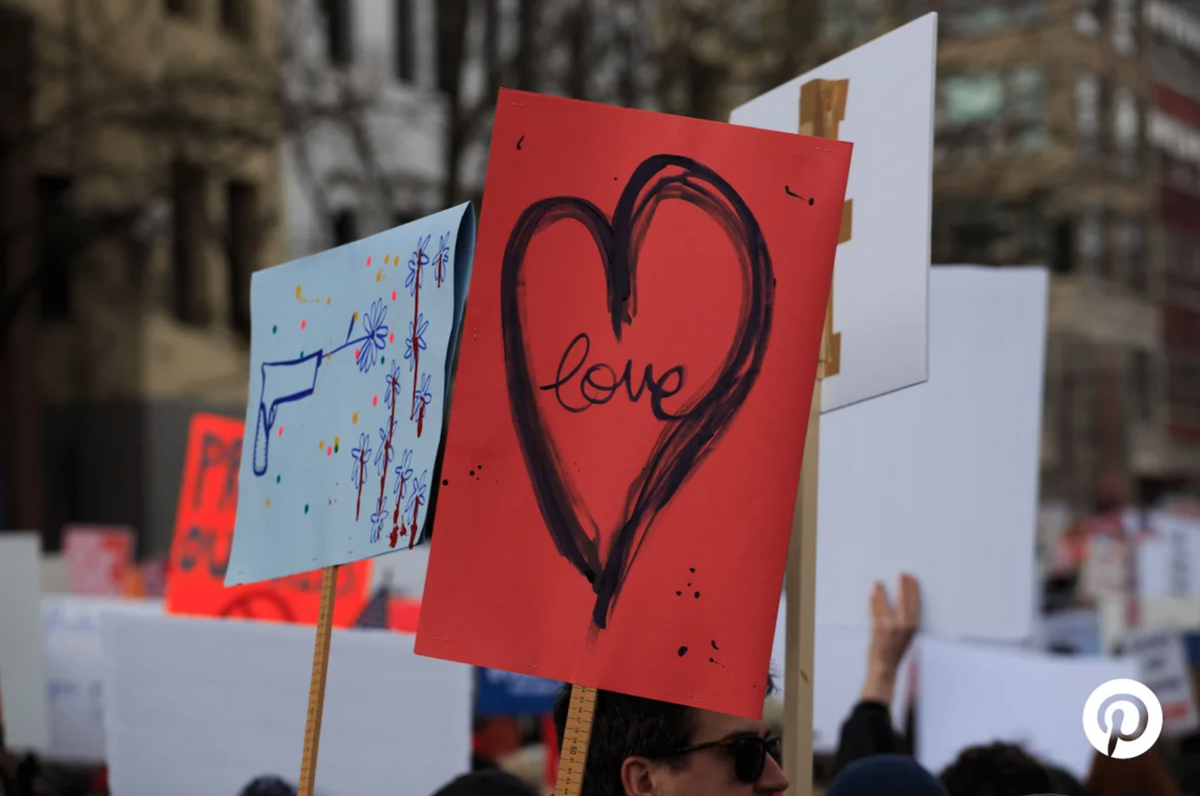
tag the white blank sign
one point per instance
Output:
(880, 292)
(23, 694)
(971, 694)
(941, 480)
(197, 707)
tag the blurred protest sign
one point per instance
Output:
(584, 515)
(24, 703)
(1076, 632)
(204, 530)
(501, 693)
(1168, 557)
(888, 115)
(1163, 667)
(951, 467)
(198, 707)
(75, 666)
(1106, 568)
(346, 433)
(976, 693)
(98, 559)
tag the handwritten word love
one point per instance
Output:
(603, 390)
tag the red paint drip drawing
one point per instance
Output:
(438, 272)
(393, 387)
(396, 531)
(362, 479)
(415, 348)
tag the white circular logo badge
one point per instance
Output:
(1122, 719)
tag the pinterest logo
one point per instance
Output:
(1122, 719)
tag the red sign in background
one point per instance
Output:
(204, 532)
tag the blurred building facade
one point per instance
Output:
(1048, 114)
(150, 164)
(364, 149)
(390, 101)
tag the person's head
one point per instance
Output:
(643, 747)
(895, 775)
(998, 769)
(489, 782)
(268, 786)
(1145, 775)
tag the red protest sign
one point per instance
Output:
(204, 533)
(98, 559)
(640, 349)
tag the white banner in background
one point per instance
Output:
(197, 707)
(75, 671)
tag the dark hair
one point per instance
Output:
(624, 726)
(489, 782)
(998, 769)
(268, 786)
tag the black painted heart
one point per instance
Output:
(689, 434)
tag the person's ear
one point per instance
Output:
(637, 777)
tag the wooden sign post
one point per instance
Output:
(316, 690)
(822, 107)
(572, 757)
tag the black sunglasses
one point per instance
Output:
(749, 753)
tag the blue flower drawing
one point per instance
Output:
(359, 458)
(375, 335)
(392, 383)
(404, 473)
(424, 395)
(415, 337)
(416, 498)
(416, 263)
(443, 257)
(378, 519)
(384, 453)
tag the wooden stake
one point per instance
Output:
(801, 590)
(572, 758)
(822, 108)
(316, 690)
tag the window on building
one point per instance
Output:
(849, 19)
(1088, 16)
(339, 35)
(55, 250)
(969, 116)
(1027, 108)
(1089, 242)
(241, 212)
(188, 187)
(181, 8)
(1141, 384)
(235, 17)
(964, 19)
(1087, 114)
(1124, 26)
(406, 42)
(1127, 130)
(345, 227)
(1128, 252)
